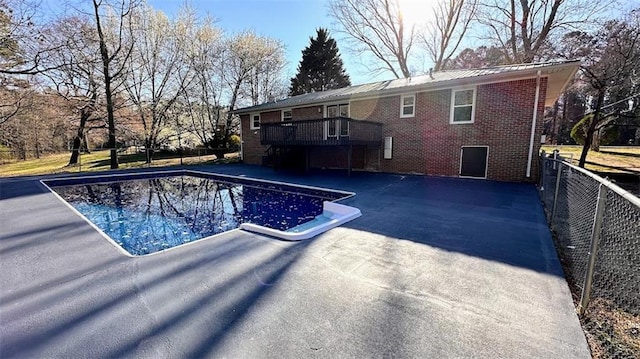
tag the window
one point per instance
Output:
(338, 110)
(331, 128)
(463, 106)
(337, 127)
(407, 105)
(344, 110)
(344, 128)
(287, 115)
(332, 111)
(254, 121)
(334, 125)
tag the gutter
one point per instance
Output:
(533, 124)
(242, 140)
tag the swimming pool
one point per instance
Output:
(151, 212)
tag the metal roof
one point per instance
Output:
(424, 83)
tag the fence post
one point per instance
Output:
(543, 156)
(79, 160)
(555, 194)
(593, 249)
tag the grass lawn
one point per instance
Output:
(615, 159)
(96, 161)
(619, 159)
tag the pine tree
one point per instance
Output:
(321, 67)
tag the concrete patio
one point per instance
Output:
(434, 268)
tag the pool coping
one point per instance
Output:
(340, 214)
(345, 213)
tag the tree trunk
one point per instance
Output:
(219, 153)
(104, 54)
(148, 150)
(111, 123)
(232, 105)
(75, 150)
(79, 139)
(85, 144)
(597, 136)
(554, 129)
(37, 144)
(588, 138)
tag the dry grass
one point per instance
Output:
(611, 332)
(622, 159)
(98, 161)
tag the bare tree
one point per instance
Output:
(76, 74)
(377, 27)
(482, 56)
(203, 95)
(525, 29)
(40, 126)
(21, 52)
(157, 71)
(265, 82)
(444, 34)
(246, 53)
(114, 53)
(610, 63)
(14, 95)
(22, 44)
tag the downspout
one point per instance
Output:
(533, 124)
(242, 140)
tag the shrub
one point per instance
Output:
(579, 131)
(234, 142)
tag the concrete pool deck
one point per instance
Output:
(435, 267)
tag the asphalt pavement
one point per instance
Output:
(434, 268)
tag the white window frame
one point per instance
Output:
(453, 107)
(402, 106)
(282, 118)
(337, 104)
(251, 125)
(338, 133)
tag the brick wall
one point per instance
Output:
(271, 116)
(307, 113)
(408, 151)
(427, 143)
(502, 121)
(252, 150)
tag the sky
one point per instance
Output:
(290, 21)
(293, 22)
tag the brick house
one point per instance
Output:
(479, 123)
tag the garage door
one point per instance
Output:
(473, 161)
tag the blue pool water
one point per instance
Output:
(150, 214)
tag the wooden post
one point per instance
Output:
(274, 148)
(349, 153)
(306, 159)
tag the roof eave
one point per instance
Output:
(568, 68)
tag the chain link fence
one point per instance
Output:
(132, 156)
(596, 227)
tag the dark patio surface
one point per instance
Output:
(435, 267)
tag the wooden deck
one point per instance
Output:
(335, 131)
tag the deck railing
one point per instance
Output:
(321, 132)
